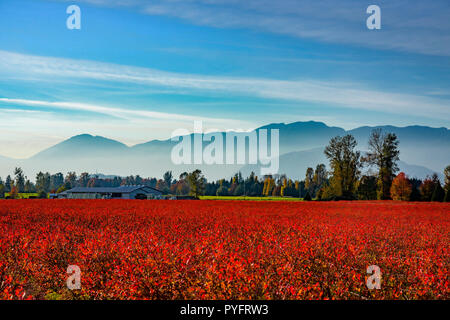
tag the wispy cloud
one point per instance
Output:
(123, 113)
(331, 93)
(413, 26)
(21, 111)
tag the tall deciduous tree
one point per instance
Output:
(447, 184)
(320, 175)
(196, 183)
(345, 164)
(384, 154)
(309, 180)
(56, 181)
(426, 189)
(161, 186)
(43, 182)
(14, 193)
(168, 177)
(83, 180)
(180, 188)
(70, 180)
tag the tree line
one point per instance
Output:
(382, 181)
(344, 181)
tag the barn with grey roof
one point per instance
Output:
(122, 192)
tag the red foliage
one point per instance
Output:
(223, 249)
(14, 193)
(401, 187)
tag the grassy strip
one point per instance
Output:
(24, 195)
(249, 198)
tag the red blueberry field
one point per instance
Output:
(128, 249)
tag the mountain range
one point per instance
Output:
(423, 151)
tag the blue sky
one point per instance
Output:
(137, 70)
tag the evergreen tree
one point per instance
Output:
(222, 191)
(19, 180)
(438, 192)
(8, 183)
(2, 189)
(307, 197)
(239, 190)
(367, 188)
(415, 192)
(29, 187)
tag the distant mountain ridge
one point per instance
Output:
(85, 144)
(423, 150)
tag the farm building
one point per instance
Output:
(122, 192)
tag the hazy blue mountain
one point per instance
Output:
(160, 146)
(299, 136)
(84, 145)
(424, 150)
(293, 137)
(415, 171)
